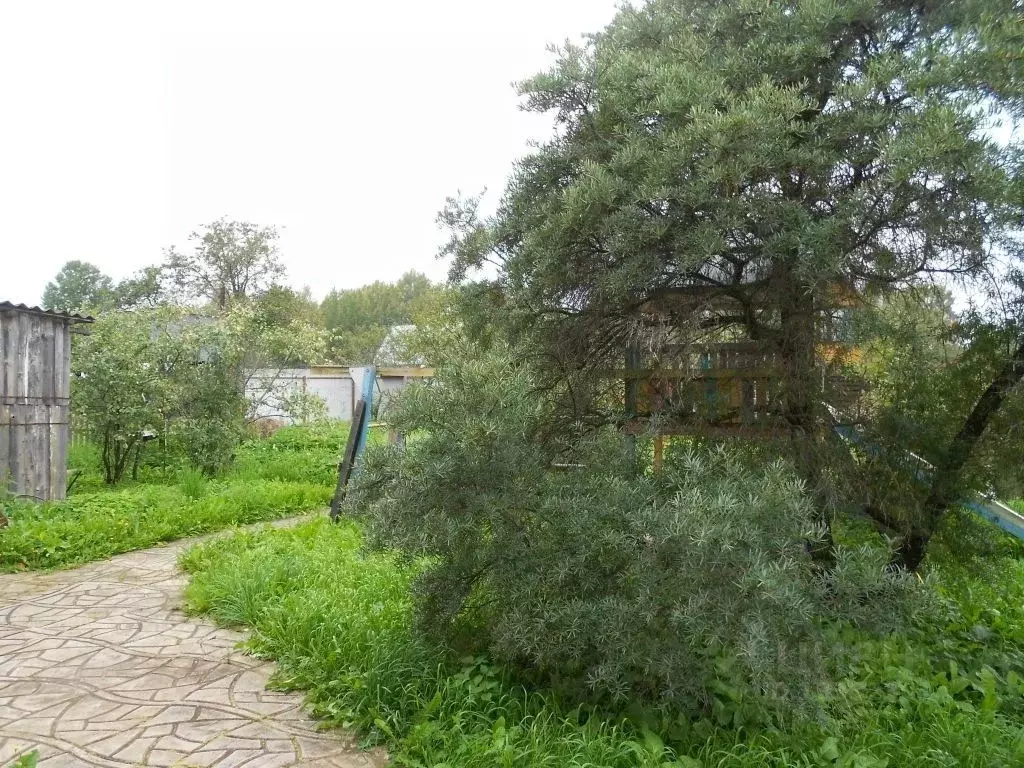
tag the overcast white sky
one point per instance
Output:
(125, 125)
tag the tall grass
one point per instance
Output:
(292, 471)
(339, 625)
(93, 526)
(947, 693)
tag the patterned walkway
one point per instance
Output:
(99, 667)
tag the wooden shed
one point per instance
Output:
(35, 383)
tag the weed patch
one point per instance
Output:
(945, 693)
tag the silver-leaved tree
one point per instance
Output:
(765, 156)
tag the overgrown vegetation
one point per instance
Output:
(613, 583)
(358, 319)
(946, 691)
(291, 472)
(187, 378)
(99, 525)
(535, 589)
(748, 170)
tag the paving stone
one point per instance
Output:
(101, 665)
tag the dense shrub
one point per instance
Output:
(340, 625)
(651, 587)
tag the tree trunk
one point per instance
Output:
(801, 392)
(946, 478)
(108, 466)
(137, 460)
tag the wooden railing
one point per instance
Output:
(733, 388)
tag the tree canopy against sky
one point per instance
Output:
(358, 319)
(78, 286)
(761, 152)
(229, 260)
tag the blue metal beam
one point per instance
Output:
(992, 510)
(369, 385)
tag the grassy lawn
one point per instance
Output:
(948, 692)
(291, 472)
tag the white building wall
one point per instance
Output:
(332, 384)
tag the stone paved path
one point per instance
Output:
(99, 667)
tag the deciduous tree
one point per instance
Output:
(229, 260)
(78, 287)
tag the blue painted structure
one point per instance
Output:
(992, 510)
(369, 384)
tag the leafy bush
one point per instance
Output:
(660, 588)
(92, 526)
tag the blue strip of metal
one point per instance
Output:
(1008, 520)
(369, 385)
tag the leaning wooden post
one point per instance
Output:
(348, 458)
(357, 436)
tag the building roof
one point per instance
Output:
(6, 306)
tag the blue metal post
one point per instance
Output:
(369, 384)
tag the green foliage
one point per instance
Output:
(358, 319)
(28, 760)
(926, 369)
(93, 526)
(288, 473)
(143, 290)
(193, 484)
(230, 260)
(627, 586)
(306, 454)
(339, 625)
(169, 372)
(187, 376)
(119, 388)
(758, 156)
(945, 692)
(277, 330)
(742, 146)
(78, 287)
(82, 287)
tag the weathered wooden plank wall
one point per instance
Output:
(35, 379)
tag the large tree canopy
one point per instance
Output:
(749, 147)
(762, 153)
(229, 260)
(358, 319)
(79, 286)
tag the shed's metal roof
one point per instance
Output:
(6, 306)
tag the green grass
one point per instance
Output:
(308, 454)
(948, 692)
(301, 453)
(339, 625)
(93, 526)
(290, 472)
